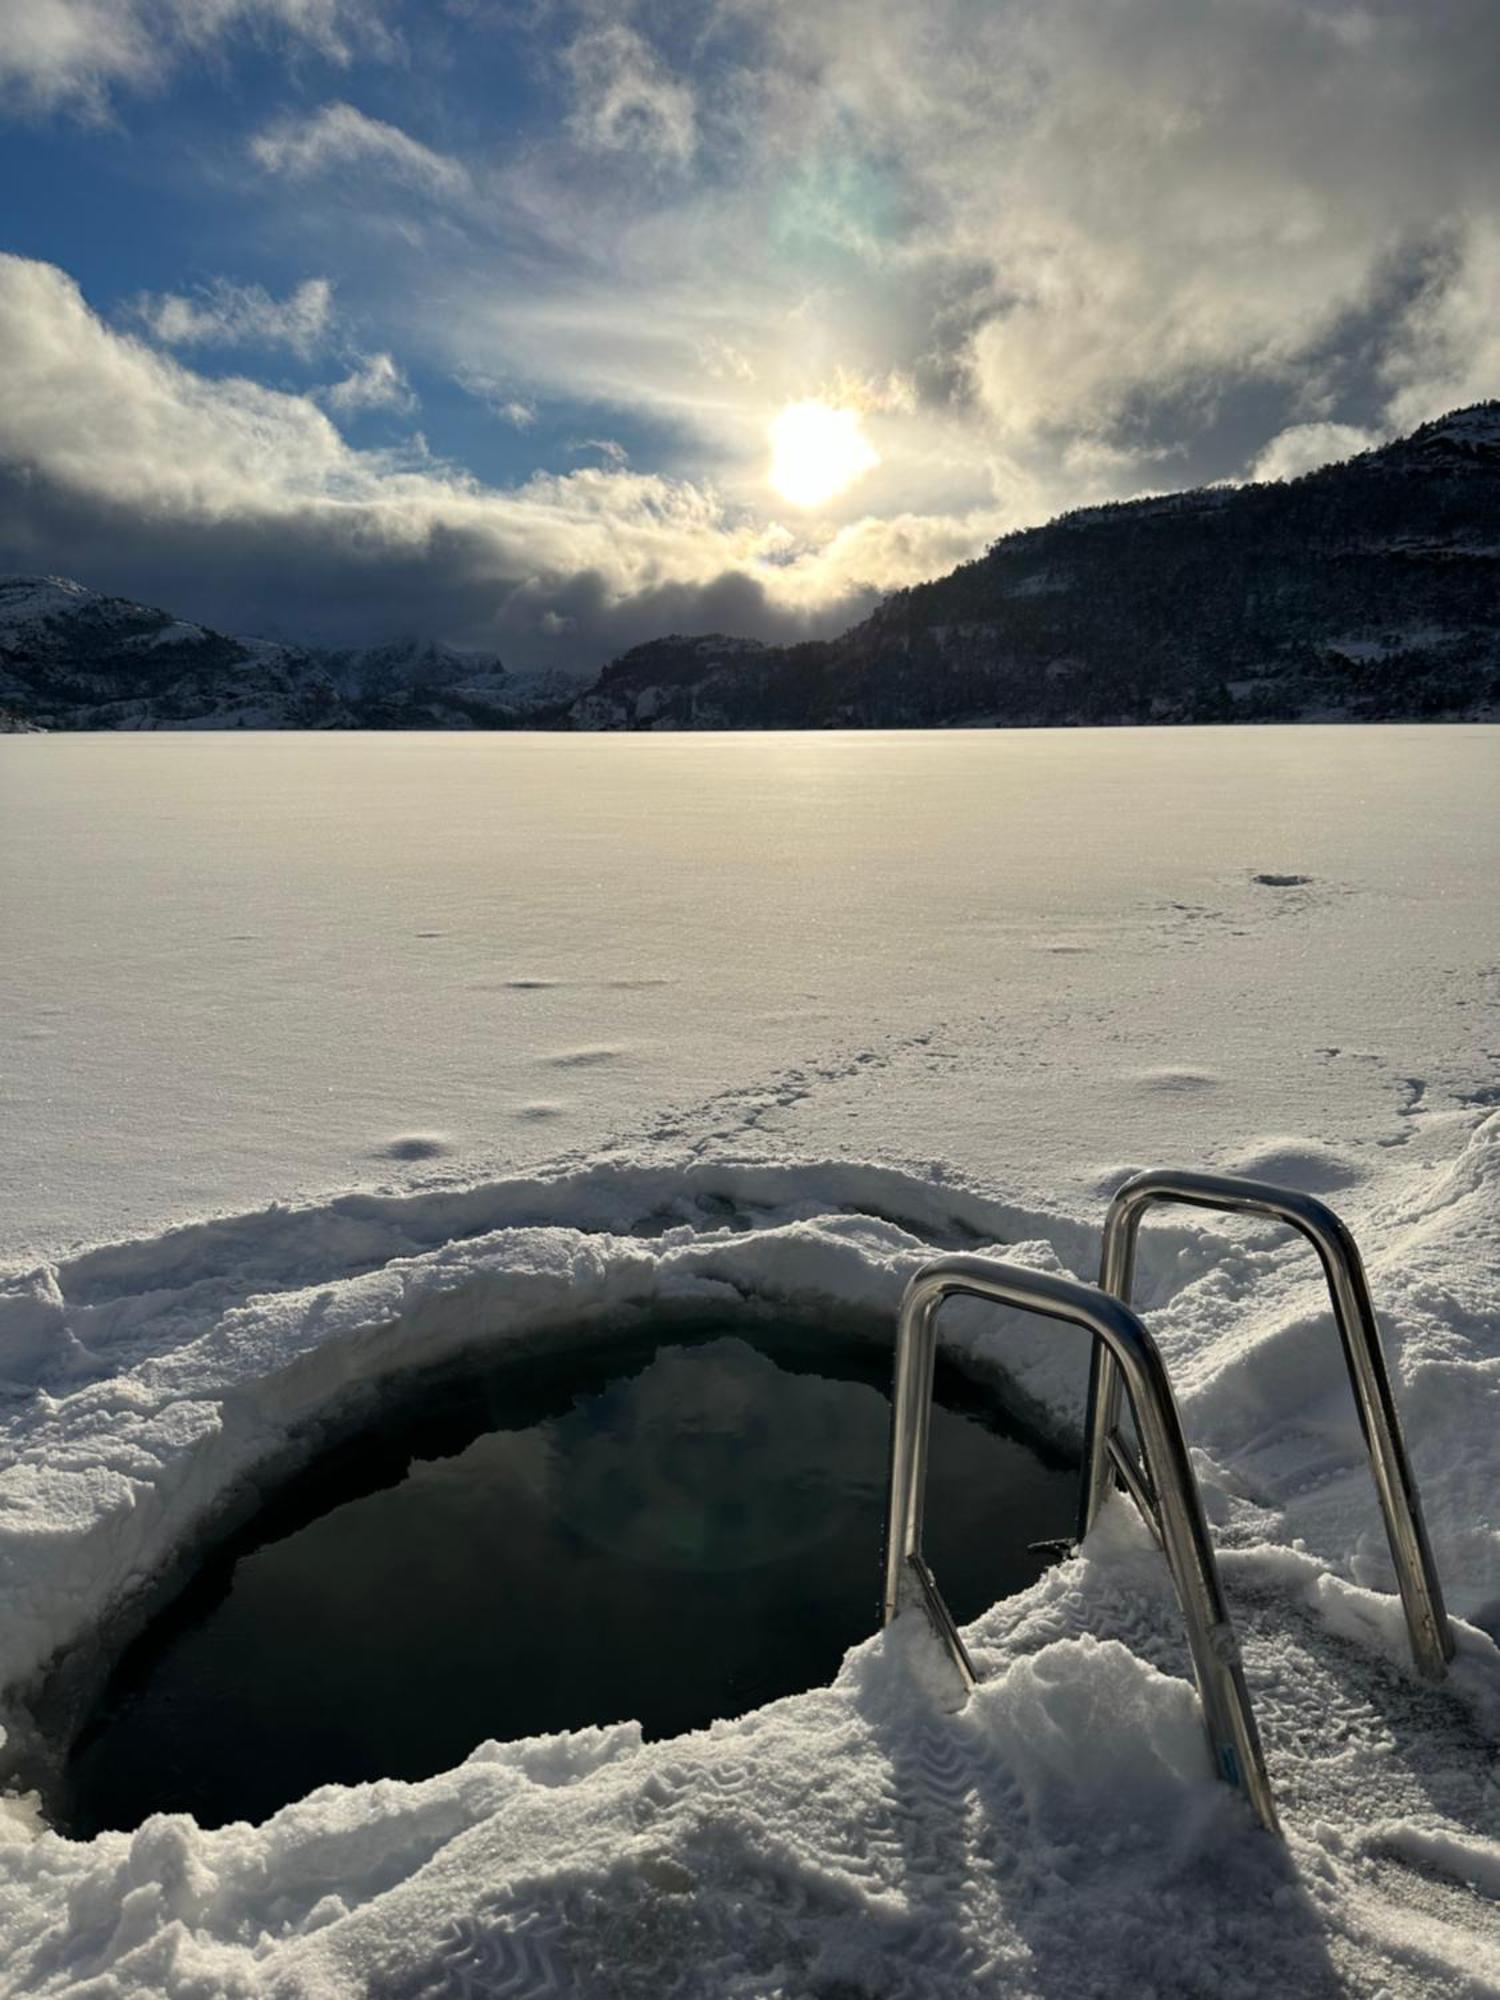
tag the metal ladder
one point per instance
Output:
(1126, 1361)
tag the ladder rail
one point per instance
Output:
(1354, 1313)
(1229, 1720)
(1133, 1479)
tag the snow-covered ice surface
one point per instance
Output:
(239, 971)
(768, 1019)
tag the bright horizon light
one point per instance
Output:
(816, 451)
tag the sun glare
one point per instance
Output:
(816, 451)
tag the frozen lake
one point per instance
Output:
(239, 968)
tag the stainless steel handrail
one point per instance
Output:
(1227, 1716)
(1416, 1572)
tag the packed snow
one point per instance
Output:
(766, 1022)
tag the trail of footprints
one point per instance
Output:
(909, 1877)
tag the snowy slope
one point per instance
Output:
(71, 658)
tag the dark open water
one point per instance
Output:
(679, 1529)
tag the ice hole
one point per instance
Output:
(679, 1524)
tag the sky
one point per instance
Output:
(548, 326)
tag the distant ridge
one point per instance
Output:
(1363, 591)
(73, 659)
(1368, 590)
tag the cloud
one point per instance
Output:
(75, 52)
(244, 505)
(609, 449)
(101, 412)
(1167, 203)
(1304, 447)
(376, 383)
(339, 136)
(498, 396)
(1447, 348)
(720, 360)
(1054, 252)
(1059, 253)
(228, 315)
(626, 100)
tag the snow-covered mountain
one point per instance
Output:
(73, 659)
(1365, 590)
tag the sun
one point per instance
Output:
(816, 451)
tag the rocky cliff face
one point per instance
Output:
(1366, 590)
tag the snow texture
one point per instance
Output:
(1061, 1833)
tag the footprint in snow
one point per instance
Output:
(416, 1146)
(1175, 1079)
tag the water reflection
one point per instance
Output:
(543, 1576)
(715, 1459)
